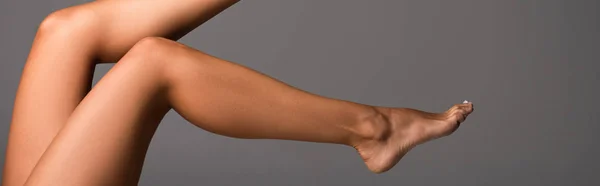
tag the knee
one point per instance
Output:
(156, 44)
(68, 22)
(171, 58)
(155, 55)
(152, 51)
(154, 48)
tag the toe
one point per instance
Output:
(454, 108)
(465, 106)
(456, 115)
(468, 107)
(455, 118)
(460, 114)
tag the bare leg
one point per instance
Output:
(59, 68)
(113, 125)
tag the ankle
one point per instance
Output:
(374, 125)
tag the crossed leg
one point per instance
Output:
(111, 128)
(57, 76)
(67, 46)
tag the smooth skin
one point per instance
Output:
(68, 45)
(104, 140)
(111, 128)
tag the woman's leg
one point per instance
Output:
(69, 42)
(112, 127)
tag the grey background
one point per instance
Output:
(530, 67)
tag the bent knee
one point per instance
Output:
(149, 50)
(69, 21)
(156, 44)
(151, 54)
(171, 57)
(157, 48)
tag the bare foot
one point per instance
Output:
(406, 128)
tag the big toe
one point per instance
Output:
(464, 108)
(456, 115)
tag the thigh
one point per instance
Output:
(105, 139)
(69, 42)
